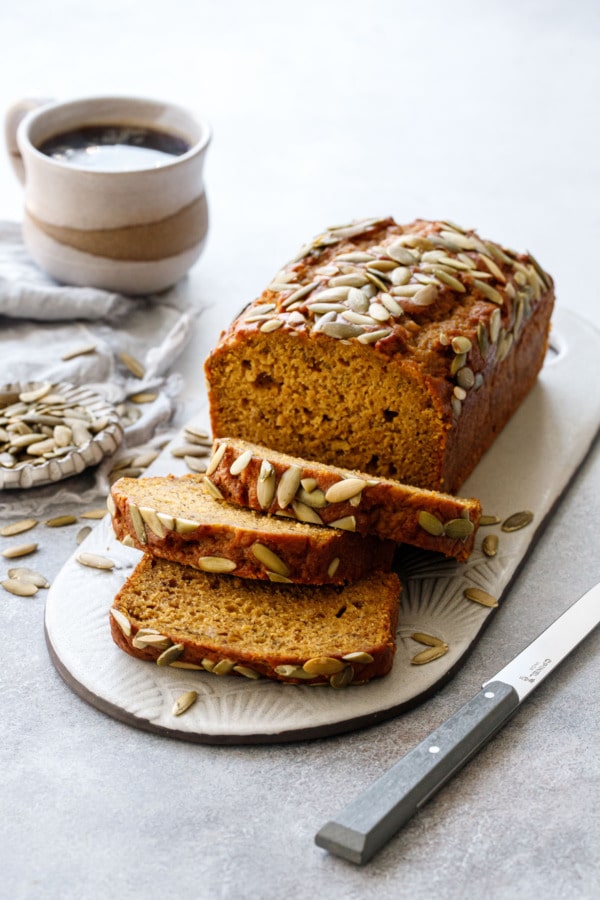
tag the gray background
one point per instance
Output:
(322, 112)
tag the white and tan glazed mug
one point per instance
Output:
(135, 229)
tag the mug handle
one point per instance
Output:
(13, 118)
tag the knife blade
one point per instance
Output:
(369, 821)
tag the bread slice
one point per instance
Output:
(179, 616)
(177, 519)
(259, 478)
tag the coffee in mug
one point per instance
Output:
(114, 190)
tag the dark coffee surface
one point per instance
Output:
(114, 147)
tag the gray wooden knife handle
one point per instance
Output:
(375, 816)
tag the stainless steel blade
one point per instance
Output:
(536, 662)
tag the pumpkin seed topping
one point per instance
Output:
(430, 523)
(458, 528)
(344, 490)
(122, 621)
(288, 485)
(216, 564)
(239, 464)
(269, 559)
(359, 656)
(323, 665)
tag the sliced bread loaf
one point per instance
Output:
(259, 478)
(178, 616)
(177, 519)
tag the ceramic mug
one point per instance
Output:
(132, 230)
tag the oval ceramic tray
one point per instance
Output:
(528, 467)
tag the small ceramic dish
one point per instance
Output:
(50, 431)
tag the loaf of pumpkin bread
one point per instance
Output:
(177, 519)
(176, 615)
(397, 350)
(263, 479)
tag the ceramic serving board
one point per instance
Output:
(527, 468)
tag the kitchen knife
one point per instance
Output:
(367, 823)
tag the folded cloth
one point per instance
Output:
(42, 321)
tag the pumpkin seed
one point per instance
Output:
(143, 397)
(288, 485)
(122, 621)
(265, 486)
(306, 514)
(315, 498)
(461, 344)
(60, 521)
(333, 567)
(19, 588)
(425, 296)
(138, 524)
(216, 564)
(344, 490)
(458, 528)
(212, 489)
(423, 638)
(134, 365)
(22, 573)
(488, 291)
(35, 394)
(342, 679)
(346, 523)
(280, 579)
(517, 520)
(323, 665)
(239, 464)
(430, 523)
(183, 702)
(216, 458)
(151, 521)
(184, 526)
(489, 545)
(223, 667)
(290, 671)
(185, 665)
(400, 254)
(95, 561)
(195, 464)
(170, 655)
(83, 533)
(18, 527)
(166, 520)
(480, 596)
(489, 520)
(269, 559)
(359, 656)
(426, 656)
(20, 550)
(247, 672)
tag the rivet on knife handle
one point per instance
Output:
(378, 813)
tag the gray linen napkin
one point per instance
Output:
(41, 321)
